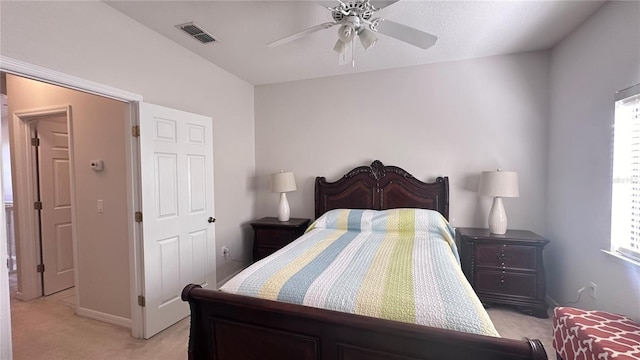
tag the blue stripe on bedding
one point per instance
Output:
(355, 219)
(296, 287)
(251, 286)
(343, 294)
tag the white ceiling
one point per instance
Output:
(465, 29)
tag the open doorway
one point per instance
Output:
(41, 226)
(53, 206)
(84, 209)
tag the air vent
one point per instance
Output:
(197, 32)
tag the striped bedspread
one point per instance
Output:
(399, 264)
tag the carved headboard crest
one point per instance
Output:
(377, 170)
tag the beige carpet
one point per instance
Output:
(514, 325)
(47, 328)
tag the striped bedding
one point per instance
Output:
(399, 264)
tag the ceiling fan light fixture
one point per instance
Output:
(367, 38)
(347, 32)
(340, 47)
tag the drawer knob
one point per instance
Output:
(503, 257)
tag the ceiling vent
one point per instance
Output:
(197, 32)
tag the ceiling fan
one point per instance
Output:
(355, 20)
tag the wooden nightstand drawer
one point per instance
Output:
(270, 234)
(498, 282)
(275, 237)
(506, 256)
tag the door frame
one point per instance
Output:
(133, 191)
(25, 190)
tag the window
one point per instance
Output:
(625, 210)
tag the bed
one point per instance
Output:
(225, 325)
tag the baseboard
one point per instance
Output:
(104, 317)
(223, 281)
(552, 302)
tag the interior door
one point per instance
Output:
(55, 196)
(178, 247)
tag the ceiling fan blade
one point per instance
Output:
(406, 33)
(329, 3)
(301, 34)
(382, 4)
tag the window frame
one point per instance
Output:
(623, 181)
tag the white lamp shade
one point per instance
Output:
(367, 38)
(283, 182)
(499, 183)
(340, 47)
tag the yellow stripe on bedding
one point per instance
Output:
(271, 288)
(370, 295)
(398, 301)
(343, 219)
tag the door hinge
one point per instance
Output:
(135, 131)
(40, 268)
(141, 301)
(138, 216)
(37, 205)
(35, 142)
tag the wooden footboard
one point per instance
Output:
(235, 327)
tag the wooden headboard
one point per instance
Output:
(381, 187)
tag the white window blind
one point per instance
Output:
(625, 210)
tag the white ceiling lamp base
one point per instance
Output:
(283, 208)
(497, 217)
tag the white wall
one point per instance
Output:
(93, 41)
(102, 238)
(587, 68)
(455, 119)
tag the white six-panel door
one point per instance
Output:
(55, 195)
(176, 154)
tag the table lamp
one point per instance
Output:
(498, 184)
(283, 182)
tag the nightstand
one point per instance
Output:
(505, 269)
(271, 234)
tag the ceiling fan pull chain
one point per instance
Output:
(352, 49)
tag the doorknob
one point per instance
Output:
(211, 220)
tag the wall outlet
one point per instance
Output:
(592, 289)
(225, 252)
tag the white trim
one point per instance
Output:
(6, 350)
(40, 73)
(57, 78)
(104, 317)
(74, 208)
(134, 201)
(621, 259)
